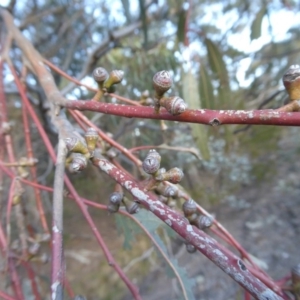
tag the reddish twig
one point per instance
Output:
(72, 190)
(29, 150)
(255, 272)
(199, 116)
(5, 296)
(31, 275)
(15, 279)
(57, 274)
(228, 262)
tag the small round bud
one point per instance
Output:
(91, 138)
(291, 81)
(174, 105)
(189, 208)
(174, 175)
(74, 144)
(115, 200)
(167, 190)
(202, 222)
(115, 77)
(162, 82)
(190, 248)
(151, 163)
(100, 75)
(79, 162)
(130, 206)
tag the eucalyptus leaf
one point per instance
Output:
(192, 97)
(256, 24)
(187, 282)
(216, 61)
(143, 17)
(128, 229)
(152, 223)
(206, 89)
(181, 26)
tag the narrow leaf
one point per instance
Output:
(191, 96)
(256, 24)
(218, 66)
(144, 21)
(206, 89)
(216, 61)
(187, 283)
(127, 228)
(181, 26)
(149, 220)
(152, 223)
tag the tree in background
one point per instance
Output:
(189, 39)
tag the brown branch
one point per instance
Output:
(217, 253)
(200, 116)
(35, 59)
(57, 274)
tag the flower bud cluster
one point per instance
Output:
(117, 198)
(81, 150)
(190, 211)
(160, 176)
(106, 81)
(162, 82)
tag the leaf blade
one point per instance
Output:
(256, 24)
(191, 96)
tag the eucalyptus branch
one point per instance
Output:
(57, 274)
(225, 260)
(199, 116)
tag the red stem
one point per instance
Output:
(5, 296)
(225, 260)
(57, 271)
(31, 275)
(72, 190)
(15, 279)
(29, 149)
(266, 280)
(199, 116)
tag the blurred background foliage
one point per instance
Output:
(237, 59)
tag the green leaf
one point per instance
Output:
(149, 220)
(216, 61)
(256, 24)
(218, 66)
(181, 26)
(152, 223)
(128, 229)
(144, 21)
(206, 89)
(188, 283)
(192, 98)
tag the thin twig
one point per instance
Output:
(228, 262)
(57, 274)
(199, 116)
